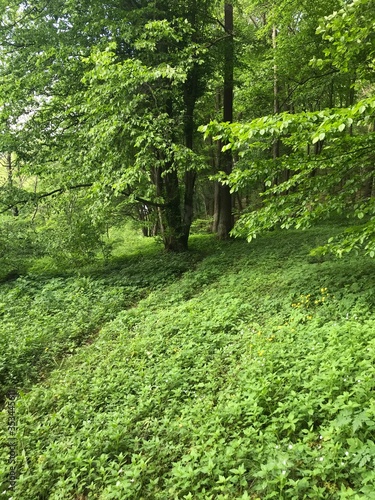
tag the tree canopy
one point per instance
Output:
(101, 102)
(325, 160)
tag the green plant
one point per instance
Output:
(200, 394)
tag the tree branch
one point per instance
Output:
(62, 190)
(145, 202)
(300, 83)
(217, 40)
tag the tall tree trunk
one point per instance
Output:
(190, 177)
(225, 218)
(190, 98)
(179, 212)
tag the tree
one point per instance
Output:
(224, 222)
(108, 99)
(339, 179)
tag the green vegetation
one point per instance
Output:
(240, 369)
(235, 371)
(102, 105)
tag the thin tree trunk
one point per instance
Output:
(190, 97)
(215, 167)
(215, 222)
(276, 106)
(9, 167)
(174, 239)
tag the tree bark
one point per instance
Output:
(167, 186)
(174, 240)
(276, 105)
(215, 222)
(225, 216)
(191, 91)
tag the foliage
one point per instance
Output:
(102, 98)
(71, 232)
(45, 317)
(262, 391)
(326, 163)
(350, 34)
(274, 69)
(18, 242)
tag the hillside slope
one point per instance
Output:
(248, 372)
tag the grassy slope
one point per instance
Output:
(249, 375)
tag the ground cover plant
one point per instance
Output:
(49, 312)
(243, 371)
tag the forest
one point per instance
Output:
(187, 243)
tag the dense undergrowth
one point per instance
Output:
(235, 371)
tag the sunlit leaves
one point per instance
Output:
(350, 33)
(307, 126)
